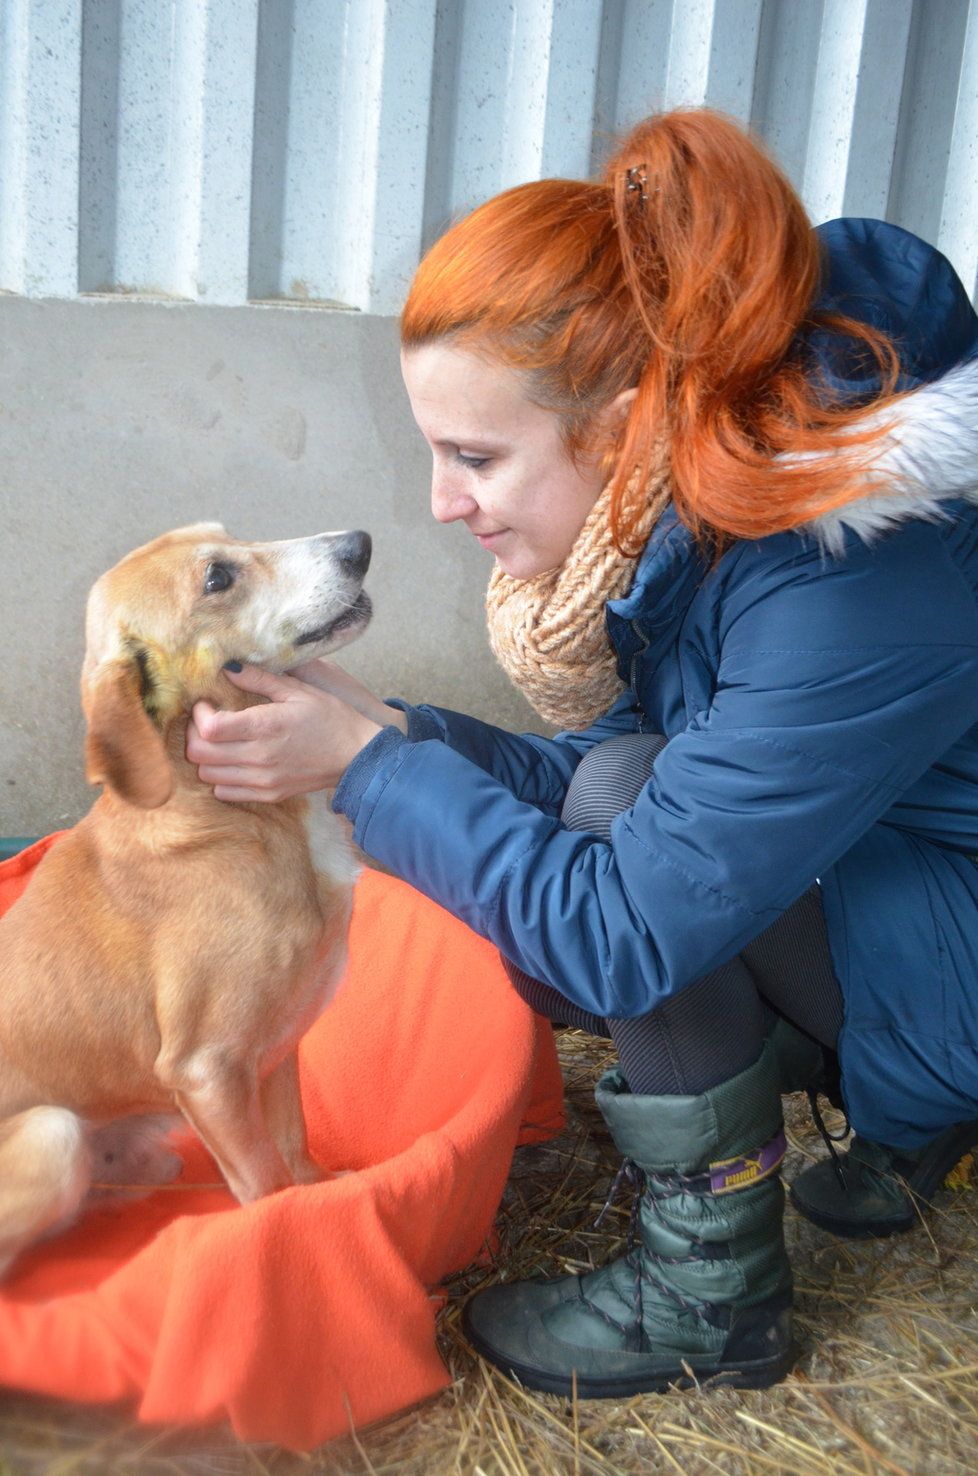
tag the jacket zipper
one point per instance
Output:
(637, 629)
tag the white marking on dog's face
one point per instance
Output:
(296, 599)
(196, 598)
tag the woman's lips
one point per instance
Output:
(488, 539)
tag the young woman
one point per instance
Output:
(742, 576)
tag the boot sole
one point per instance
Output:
(921, 1188)
(759, 1374)
(853, 1229)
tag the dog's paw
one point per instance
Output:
(133, 1155)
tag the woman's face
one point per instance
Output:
(500, 465)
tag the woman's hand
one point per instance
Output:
(301, 740)
(329, 677)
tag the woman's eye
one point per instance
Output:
(218, 577)
(472, 461)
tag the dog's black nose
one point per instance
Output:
(352, 550)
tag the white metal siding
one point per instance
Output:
(308, 150)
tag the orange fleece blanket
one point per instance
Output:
(315, 1307)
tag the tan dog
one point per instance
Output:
(171, 950)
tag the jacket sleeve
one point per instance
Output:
(535, 769)
(839, 684)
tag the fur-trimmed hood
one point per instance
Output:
(928, 457)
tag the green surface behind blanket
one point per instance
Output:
(11, 844)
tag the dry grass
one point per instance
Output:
(886, 1382)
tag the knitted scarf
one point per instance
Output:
(549, 633)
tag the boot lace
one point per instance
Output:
(830, 1139)
(628, 1173)
(653, 1187)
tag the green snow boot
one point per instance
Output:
(704, 1289)
(872, 1190)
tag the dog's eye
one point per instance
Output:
(218, 577)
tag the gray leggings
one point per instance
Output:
(715, 1027)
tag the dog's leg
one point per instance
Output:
(222, 1102)
(283, 1113)
(45, 1169)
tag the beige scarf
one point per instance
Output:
(549, 634)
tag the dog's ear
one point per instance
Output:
(124, 749)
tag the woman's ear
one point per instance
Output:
(609, 425)
(123, 750)
(619, 409)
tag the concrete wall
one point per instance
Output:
(121, 420)
(232, 150)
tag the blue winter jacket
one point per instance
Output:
(820, 693)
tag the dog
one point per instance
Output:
(171, 949)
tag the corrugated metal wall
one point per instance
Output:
(235, 150)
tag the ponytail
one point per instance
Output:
(687, 273)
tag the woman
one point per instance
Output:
(748, 595)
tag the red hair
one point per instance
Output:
(687, 272)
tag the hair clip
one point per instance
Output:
(637, 180)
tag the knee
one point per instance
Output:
(609, 779)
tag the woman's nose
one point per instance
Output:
(449, 501)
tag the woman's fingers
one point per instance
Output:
(238, 793)
(326, 676)
(263, 683)
(201, 752)
(244, 776)
(217, 726)
(299, 741)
